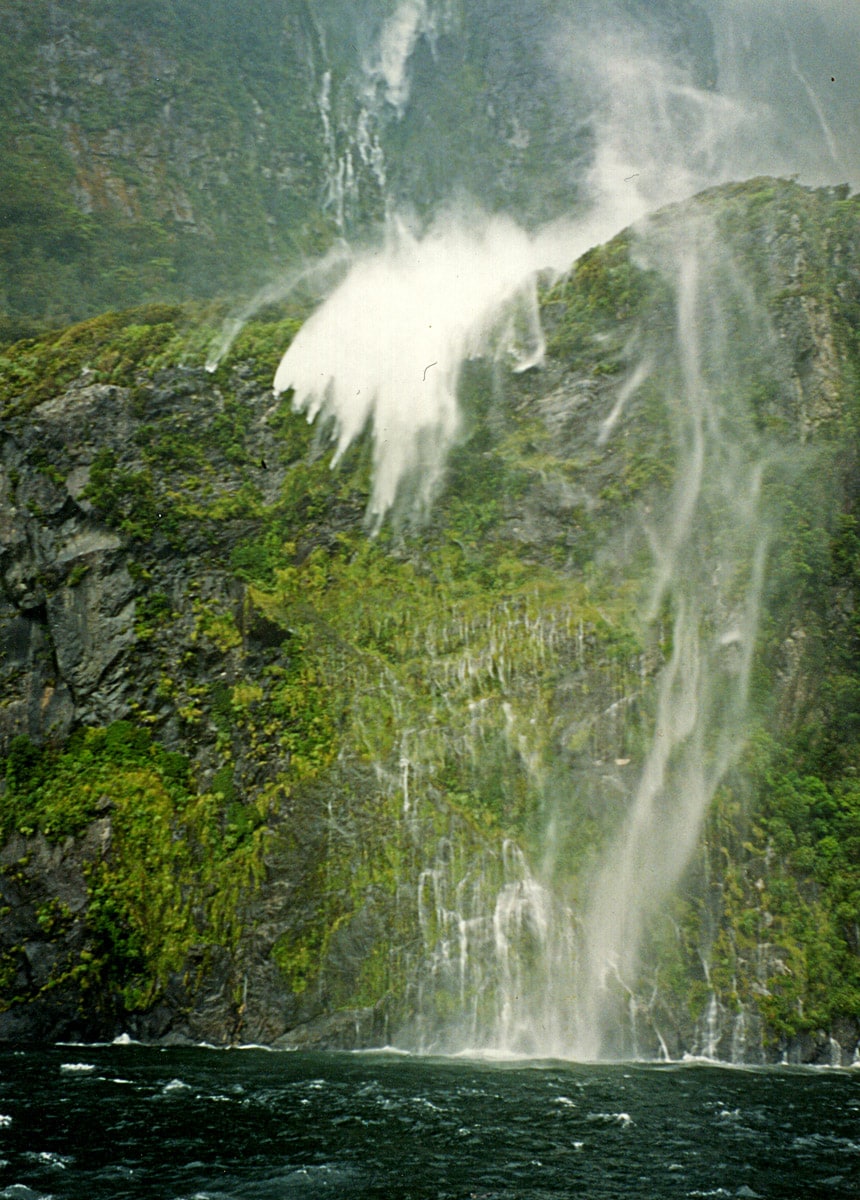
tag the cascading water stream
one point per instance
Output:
(709, 558)
(517, 968)
(564, 981)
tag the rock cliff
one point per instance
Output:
(270, 779)
(180, 150)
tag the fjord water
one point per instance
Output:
(114, 1122)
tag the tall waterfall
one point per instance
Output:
(560, 976)
(709, 550)
(445, 281)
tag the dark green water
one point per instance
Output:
(131, 1121)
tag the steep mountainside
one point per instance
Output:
(151, 150)
(269, 777)
(173, 150)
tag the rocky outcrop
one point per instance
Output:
(123, 507)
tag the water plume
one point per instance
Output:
(387, 348)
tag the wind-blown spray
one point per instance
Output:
(387, 348)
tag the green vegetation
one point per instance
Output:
(590, 310)
(145, 159)
(169, 878)
(793, 879)
(121, 348)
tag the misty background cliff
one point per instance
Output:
(162, 150)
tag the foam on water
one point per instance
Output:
(376, 1121)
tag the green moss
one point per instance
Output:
(217, 627)
(589, 311)
(111, 347)
(300, 958)
(125, 499)
(180, 861)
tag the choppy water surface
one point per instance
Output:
(131, 1121)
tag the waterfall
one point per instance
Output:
(357, 105)
(505, 964)
(492, 937)
(708, 552)
(712, 1031)
(739, 1037)
(386, 349)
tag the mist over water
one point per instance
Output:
(773, 93)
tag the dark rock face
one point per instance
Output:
(74, 654)
(112, 607)
(64, 573)
(45, 898)
(69, 635)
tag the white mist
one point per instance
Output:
(709, 551)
